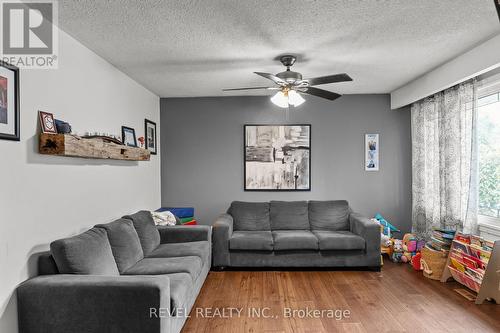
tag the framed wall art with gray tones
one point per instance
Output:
(277, 157)
(9, 102)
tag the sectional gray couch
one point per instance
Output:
(126, 276)
(295, 234)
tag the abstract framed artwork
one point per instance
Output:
(372, 147)
(277, 157)
(9, 102)
(150, 134)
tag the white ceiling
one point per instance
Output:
(197, 47)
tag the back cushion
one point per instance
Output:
(146, 229)
(88, 253)
(329, 215)
(250, 216)
(124, 242)
(289, 215)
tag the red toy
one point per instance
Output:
(415, 261)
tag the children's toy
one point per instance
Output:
(388, 228)
(415, 261)
(397, 250)
(409, 247)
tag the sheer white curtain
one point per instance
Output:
(444, 161)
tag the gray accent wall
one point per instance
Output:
(202, 153)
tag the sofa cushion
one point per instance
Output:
(146, 229)
(200, 249)
(251, 240)
(250, 216)
(339, 240)
(329, 215)
(181, 287)
(157, 266)
(289, 215)
(88, 253)
(294, 240)
(124, 242)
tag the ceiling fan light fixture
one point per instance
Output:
(280, 99)
(294, 98)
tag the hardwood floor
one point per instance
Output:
(397, 299)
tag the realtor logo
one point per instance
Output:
(29, 33)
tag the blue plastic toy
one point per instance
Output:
(388, 228)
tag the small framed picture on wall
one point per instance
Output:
(9, 102)
(150, 134)
(47, 122)
(128, 136)
(372, 148)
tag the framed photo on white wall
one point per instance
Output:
(372, 147)
(9, 102)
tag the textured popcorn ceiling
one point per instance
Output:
(198, 47)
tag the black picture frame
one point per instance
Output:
(129, 129)
(146, 123)
(16, 136)
(275, 190)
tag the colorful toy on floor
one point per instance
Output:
(397, 250)
(411, 246)
(388, 228)
(416, 261)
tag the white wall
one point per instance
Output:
(481, 59)
(43, 198)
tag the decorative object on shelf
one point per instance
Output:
(47, 122)
(141, 141)
(371, 152)
(150, 133)
(9, 102)
(277, 157)
(104, 138)
(474, 262)
(128, 136)
(75, 146)
(62, 127)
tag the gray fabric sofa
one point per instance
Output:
(295, 234)
(126, 276)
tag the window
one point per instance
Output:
(488, 131)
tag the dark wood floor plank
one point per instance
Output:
(397, 299)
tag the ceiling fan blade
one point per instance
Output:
(251, 88)
(320, 93)
(329, 79)
(272, 77)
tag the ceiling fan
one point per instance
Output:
(290, 85)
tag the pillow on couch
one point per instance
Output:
(88, 253)
(146, 229)
(289, 215)
(250, 216)
(329, 215)
(124, 242)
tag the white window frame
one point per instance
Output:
(489, 227)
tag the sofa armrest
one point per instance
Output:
(222, 231)
(369, 230)
(63, 303)
(187, 233)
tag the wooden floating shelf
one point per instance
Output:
(75, 146)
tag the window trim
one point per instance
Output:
(488, 226)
